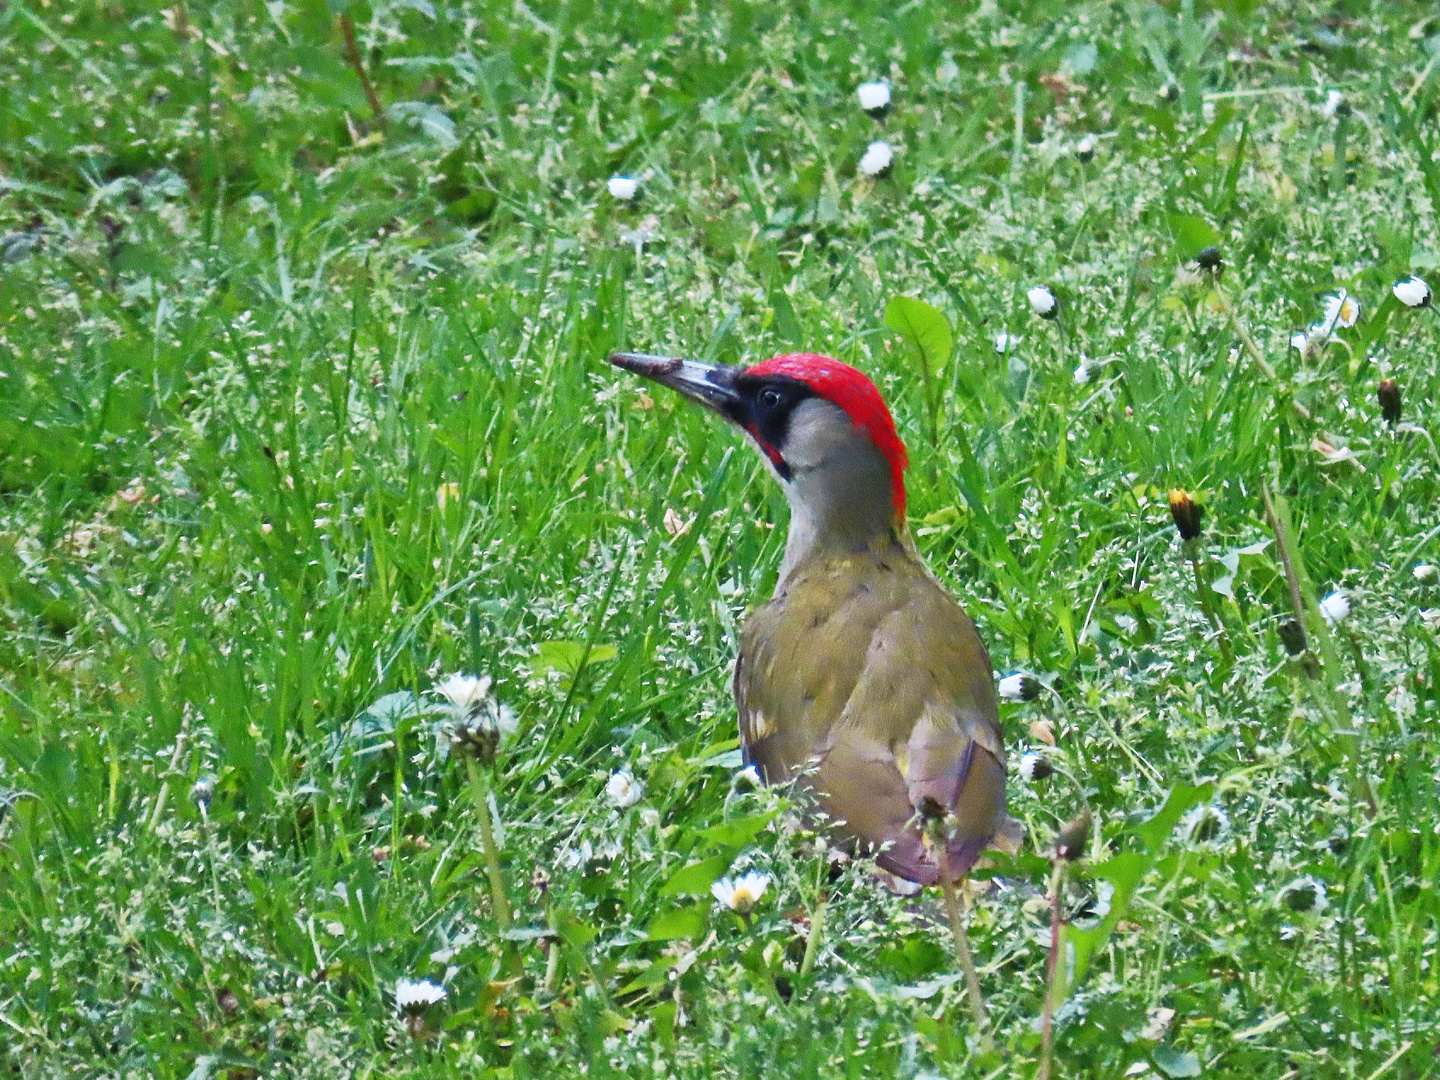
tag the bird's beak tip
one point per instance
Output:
(646, 364)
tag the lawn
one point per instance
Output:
(304, 408)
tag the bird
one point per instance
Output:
(861, 679)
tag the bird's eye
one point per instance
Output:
(769, 398)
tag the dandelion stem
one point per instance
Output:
(962, 946)
(1202, 593)
(812, 940)
(1047, 1016)
(479, 795)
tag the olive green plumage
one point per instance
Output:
(864, 678)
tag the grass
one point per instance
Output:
(303, 408)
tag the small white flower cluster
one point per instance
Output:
(1341, 310)
(743, 893)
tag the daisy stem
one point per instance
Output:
(962, 948)
(812, 940)
(1047, 1016)
(479, 795)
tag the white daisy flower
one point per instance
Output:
(1085, 149)
(416, 997)
(1335, 607)
(1424, 572)
(623, 188)
(1332, 103)
(1084, 372)
(874, 98)
(877, 160)
(1021, 686)
(1043, 302)
(1300, 340)
(1412, 292)
(1005, 342)
(741, 894)
(477, 722)
(624, 790)
(1342, 310)
(1034, 767)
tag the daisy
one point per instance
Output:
(1335, 607)
(1342, 310)
(1083, 373)
(1043, 302)
(1034, 767)
(416, 997)
(877, 160)
(1005, 342)
(874, 98)
(624, 790)
(465, 693)
(741, 894)
(1021, 686)
(623, 188)
(1332, 104)
(1085, 149)
(1412, 291)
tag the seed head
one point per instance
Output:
(1389, 395)
(1209, 258)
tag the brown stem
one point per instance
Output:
(1047, 1016)
(353, 53)
(962, 947)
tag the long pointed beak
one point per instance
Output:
(712, 385)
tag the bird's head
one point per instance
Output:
(821, 425)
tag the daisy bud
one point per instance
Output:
(1168, 92)
(1071, 843)
(203, 792)
(1043, 302)
(1209, 258)
(874, 99)
(623, 188)
(1085, 149)
(1425, 572)
(1335, 607)
(877, 160)
(1185, 512)
(1412, 292)
(1083, 373)
(1389, 395)
(1005, 342)
(1020, 687)
(1332, 104)
(1035, 767)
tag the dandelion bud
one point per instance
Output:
(1071, 843)
(1389, 394)
(1209, 258)
(1186, 512)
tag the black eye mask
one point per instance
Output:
(766, 404)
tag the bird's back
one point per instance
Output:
(864, 678)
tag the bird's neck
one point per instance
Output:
(842, 506)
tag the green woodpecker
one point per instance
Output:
(862, 678)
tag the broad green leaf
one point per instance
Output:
(1192, 234)
(567, 656)
(739, 832)
(1175, 1063)
(685, 922)
(696, 879)
(1156, 831)
(924, 327)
